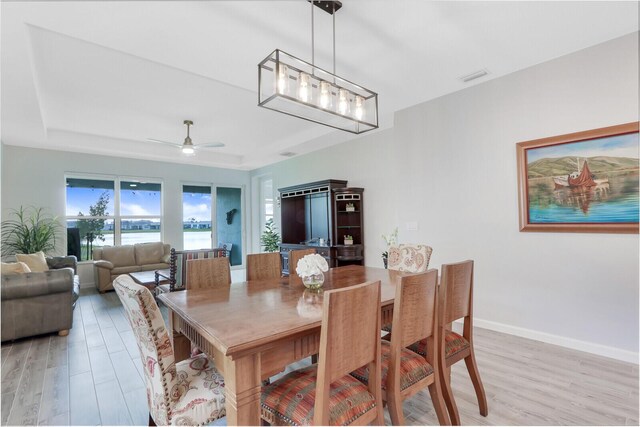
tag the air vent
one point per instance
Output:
(288, 154)
(473, 76)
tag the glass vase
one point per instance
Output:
(314, 281)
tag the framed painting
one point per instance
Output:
(584, 182)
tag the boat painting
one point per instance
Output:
(582, 177)
(573, 184)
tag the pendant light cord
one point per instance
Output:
(313, 50)
(334, 38)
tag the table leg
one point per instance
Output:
(181, 344)
(242, 390)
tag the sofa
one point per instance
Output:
(40, 303)
(112, 261)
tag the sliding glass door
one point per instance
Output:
(213, 216)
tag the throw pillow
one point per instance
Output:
(15, 268)
(36, 262)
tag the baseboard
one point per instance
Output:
(589, 347)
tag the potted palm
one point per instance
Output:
(30, 230)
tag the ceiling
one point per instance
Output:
(102, 77)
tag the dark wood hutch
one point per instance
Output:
(319, 215)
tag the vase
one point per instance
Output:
(313, 281)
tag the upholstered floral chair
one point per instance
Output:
(410, 258)
(190, 392)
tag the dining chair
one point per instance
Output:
(409, 258)
(294, 257)
(208, 273)
(178, 267)
(325, 393)
(405, 373)
(456, 302)
(190, 392)
(264, 266)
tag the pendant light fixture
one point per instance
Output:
(292, 86)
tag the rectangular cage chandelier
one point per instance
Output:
(289, 85)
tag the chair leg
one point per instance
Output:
(151, 421)
(435, 390)
(445, 383)
(394, 402)
(63, 333)
(472, 367)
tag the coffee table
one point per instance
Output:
(148, 278)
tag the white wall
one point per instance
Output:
(35, 177)
(450, 165)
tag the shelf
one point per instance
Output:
(348, 211)
(348, 226)
(349, 258)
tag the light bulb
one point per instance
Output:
(359, 110)
(187, 150)
(304, 91)
(325, 95)
(343, 101)
(283, 78)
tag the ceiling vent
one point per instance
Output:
(288, 154)
(473, 76)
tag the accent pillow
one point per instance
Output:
(36, 262)
(15, 268)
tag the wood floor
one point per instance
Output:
(93, 377)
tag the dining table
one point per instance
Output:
(254, 329)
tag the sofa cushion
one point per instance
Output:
(36, 262)
(15, 268)
(149, 253)
(119, 256)
(158, 266)
(124, 270)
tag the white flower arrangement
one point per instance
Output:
(311, 264)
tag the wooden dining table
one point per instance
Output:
(255, 328)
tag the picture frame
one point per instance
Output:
(583, 182)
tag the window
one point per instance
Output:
(211, 222)
(266, 197)
(109, 211)
(140, 211)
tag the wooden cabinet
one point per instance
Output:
(319, 215)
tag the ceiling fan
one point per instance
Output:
(187, 146)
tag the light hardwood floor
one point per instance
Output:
(94, 376)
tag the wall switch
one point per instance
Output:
(411, 225)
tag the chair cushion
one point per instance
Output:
(291, 399)
(198, 393)
(116, 271)
(413, 367)
(453, 342)
(149, 253)
(119, 256)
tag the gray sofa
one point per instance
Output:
(112, 261)
(39, 303)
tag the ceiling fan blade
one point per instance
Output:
(164, 142)
(210, 145)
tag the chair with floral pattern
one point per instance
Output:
(409, 258)
(190, 392)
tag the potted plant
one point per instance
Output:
(348, 240)
(32, 230)
(350, 207)
(270, 237)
